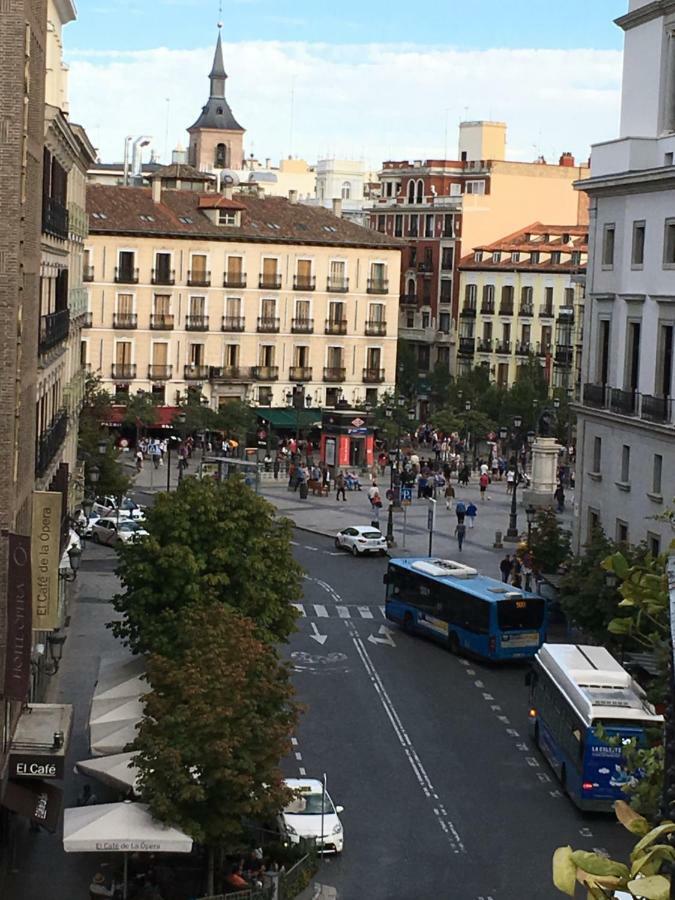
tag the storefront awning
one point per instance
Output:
(164, 416)
(287, 418)
(35, 800)
(40, 741)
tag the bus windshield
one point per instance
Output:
(520, 613)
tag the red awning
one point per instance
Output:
(163, 419)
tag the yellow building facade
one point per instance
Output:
(521, 298)
(243, 297)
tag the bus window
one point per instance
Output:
(514, 614)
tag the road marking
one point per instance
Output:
(294, 543)
(488, 697)
(301, 771)
(504, 720)
(294, 742)
(382, 610)
(543, 777)
(532, 761)
(298, 756)
(317, 636)
(333, 552)
(365, 612)
(511, 731)
(300, 608)
(343, 612)
(585, 832)
(446, 825)
(470, 671)
(307, 547)
(386, 639)
(479, 684)
(523, 747)
(321, 611)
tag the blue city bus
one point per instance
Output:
(467, 612)
(583, 707)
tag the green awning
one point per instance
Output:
(287, 418)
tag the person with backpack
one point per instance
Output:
(460, 512)
(484, 481)
(471, 513)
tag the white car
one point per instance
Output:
(85, 523)
(361, 539)
(110, 531)
(128, 509)
(302, 817)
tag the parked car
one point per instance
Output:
(111, 532)
(361, 539)
(302, 818)
(128, 508)
(85, 523)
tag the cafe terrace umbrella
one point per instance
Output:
(120, 828)
(108, 717)
(115, 741)
(120, 677)
(117, 771)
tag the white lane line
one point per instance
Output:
(365, 612)
(300, 608)
(298, 756)
(381, 608)
(343, 612)
(421, 775)
(294, 543)
(302, 772)
(294, 742)
(307, 547)
(321, 611)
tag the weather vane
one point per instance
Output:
(220, 14)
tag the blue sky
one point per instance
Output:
(382, 80)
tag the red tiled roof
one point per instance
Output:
(535, 238)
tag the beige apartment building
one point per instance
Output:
(236, 297)
(521, 298)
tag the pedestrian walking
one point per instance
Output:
(374, 496)
(471, 513)
(505, 567)
(559, 497)
(517, 575)
(460, 512)
(510, 480)
(139, 459)
(460, 533)
(449, 495)
(340, 487)
(483, 482)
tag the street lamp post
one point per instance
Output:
(512, 531)
(467, 409)
(530, 513)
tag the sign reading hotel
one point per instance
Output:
(17, 657)
(45, 548)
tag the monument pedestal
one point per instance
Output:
(544, 478)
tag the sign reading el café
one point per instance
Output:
(23, 766)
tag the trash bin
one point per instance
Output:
(304, 490)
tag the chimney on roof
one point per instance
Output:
(293, 197)
(156, 189)
(337, 207)
(566, 160)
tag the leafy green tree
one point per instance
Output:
(209, 542)
(407, 370)
(549, 542)
(528, 395)
(93, 436)
(439, 386)
(217, 723)
(473, 422)
(140, 410)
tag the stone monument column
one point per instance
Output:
(544, 478)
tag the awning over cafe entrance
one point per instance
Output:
(38, 748)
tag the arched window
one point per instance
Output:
(420, 191)
(411, 191)
(346, 190)
(222, 157)
(412, 287)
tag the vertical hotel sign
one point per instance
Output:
(17, 662)
(45, 553)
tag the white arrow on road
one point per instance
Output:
(387, 639)
(317, 636)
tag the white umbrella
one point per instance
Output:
(117, 771)
(120, 677)
(109, 716)
(116, 741)
(120, 828)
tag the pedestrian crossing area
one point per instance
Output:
(319, 611)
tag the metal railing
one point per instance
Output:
(468, 311)
(336, 326)
(408, 299)
(126, 275)
(233, 323)
(373, 376)
(230, 373)
(647, 407)
(334, 373)
(54, 328)
(656, 409)
(304, 282)
(265, 373)
(546, 312)
(487, 308)
(506, 309)
(198, 279)
(564, 355)
(196, 323)
(78, 221)
(526, 309)
(234, 280)
(378, 286)
(485, 345)
(523, 348)
(268, 324)
(595, 395)
(161, 322)
(376, 328)
(78, 301)
(623, 402)
(87, 273)
(55, 218)
(195, 372)
(503, 347)
(337, 285)
(125, 320)
(270, 282)
(123, 371)
(160, 373)
(163, 276)
(300, 373)
(49, 443)
(467, 345)
(302, 326)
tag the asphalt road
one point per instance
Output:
(445, 796)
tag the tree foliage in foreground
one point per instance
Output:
(549, 542)
(217, 722)
(209, 542)
(96, 410)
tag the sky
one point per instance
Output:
(362, 79)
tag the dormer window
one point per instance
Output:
(515, 257)
(496, 257)
(478, 256)
(555, 258)
(534, 258)
(229, 217)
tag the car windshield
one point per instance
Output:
(372, 535)
(129, 526)
(309, 804)
(128, 503)
(527, 612)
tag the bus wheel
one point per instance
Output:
(453, 643)
(408, 623)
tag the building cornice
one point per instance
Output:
(66, 10)
(618, 421)
(652, 10)
(663, 298)
(636, 181)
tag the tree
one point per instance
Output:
(439, 386)
(209, 542)
(528, 395)
(217, 722)
(473, 422)
(549, 542)
(93, 437)
(407, 370)
(140, 410)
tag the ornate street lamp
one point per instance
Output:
(55, 642)
(512, 533)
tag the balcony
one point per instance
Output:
(161, 322)
(270, 282)
(487, 308)
(302, 326)
(87, 273)
(372, 376)
(50, 442)
(304, 282)
(484, 345)
(164, 276)
(656, 409)
(125, 320)
(376, 328)
(445, 296)
(503, 347)
(523, 348)
(467, 346)
(334, 374)
(88, 320)
(526, 310)
(78, 301)
(566, 314)
(234, 280)
(78, 221)
(378, 286)
(54, 218)
(545, 312)
(54, 328)
(233, 323)
(196, 323)
(268, 325)
(544, 349)
(468, 311)
(563, 355)
(425, 267)
(230, 373)
(160, 373)
(595, 395)
(407, 299)
(337, 285)
(506, 309)
(265, 373)
(623, 402)
(194, 372)
(300, 373)
(123, 371)
(336, 326)
(198, 279)
(126, 275)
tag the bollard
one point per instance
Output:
(498, 540)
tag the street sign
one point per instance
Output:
(357, 423)
(431, 515)
(406, 496)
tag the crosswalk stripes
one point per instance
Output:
(317, 610)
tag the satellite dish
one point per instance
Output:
(228, 179)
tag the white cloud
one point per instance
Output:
(373, 101)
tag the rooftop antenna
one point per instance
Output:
(166, 129)
(290, 134)
(220, 15)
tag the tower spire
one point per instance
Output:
(218, 75)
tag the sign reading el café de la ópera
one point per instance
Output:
(45, 550)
